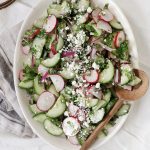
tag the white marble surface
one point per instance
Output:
(135, 133)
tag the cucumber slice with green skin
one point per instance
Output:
(26, 84)
(107, 96)
(123, 110)
(100, 104)
(52, 128)
(51, 62)
(38, 45)
(58, 109)
(35, 97)
(39, 88)
(39, 22)
(40, 117)
(97, 116)
(52, 89)
(124, 79)
(91, 102)
(67, 74)
(115, 24)
(107, 74)
(135, 81)
(34, 109)
(60, 43)
(110, 105)
(101, 135)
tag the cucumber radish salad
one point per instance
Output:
(75, 55)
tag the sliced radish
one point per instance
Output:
(106, 15)
(119, 38)
(117, 77)
(21, 75)
(44, 76)
(45, 101)
(92, 77)
(81, 115)
(58, 82)
(50, 54)
(50, 23)
(104, 26)
(42, 69)
(93, 53)
(97, 93)
(73, 109)
(36, 32)
(127, 87)
(68, 54)
(71, 126)
(95, 15)
(53, 49)
(26, 49)
(73, 140)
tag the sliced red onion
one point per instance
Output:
(26, 49)
(93, 53)
(117, 77)
(97, 93)
(33, 61)
(36, 32)
(68, 54)
(45, 75)
(21, 75)
(95, 15)
(42, 69)
(127, 87)
(53, 49)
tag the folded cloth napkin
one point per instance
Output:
(11, 118)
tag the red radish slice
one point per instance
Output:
(93, 53)
(42, 69)
(53, 49)
(95, 15)
(92, 77)
(81, 115)
(50, 24)
(58, 82)
(106, 15)
(127, 87)
(117, 78)
(71, 126)
(26, 49)
(45, 101)
(68, 54)
(73, 109)
(73, 140)
(36, 32)
(21, 75)
(119, 38)
(45, 75)
(104, 26)
(97, 93)
(51, 54)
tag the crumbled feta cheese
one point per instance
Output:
(73, 92)
(67, 28)
(97, 85)
(95, 66)
(85, 124)
(89, 10)
(66, 113)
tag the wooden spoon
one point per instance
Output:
(123, 95)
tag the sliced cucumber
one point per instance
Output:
(123, 110)
(60, 43)
(101, 135)
(52, 89)
(115, 24)
(34, 109)
(58, 108)
(107, 95)
(97, 116)
(26, 84)
(40, 117)
(107, 74)
(83, 5)
(110, 105)
(39, 22)
(38, 45)
(100, 104)
(35, 97)
(52, 128)
(39, 88)
(135, 81)
(124, 78)
(51, 62)
(28, 60)
(91, 102)
(67, 74)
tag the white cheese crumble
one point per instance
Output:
(89, 10)
(97, 85)
(95, 66)
(126, 67)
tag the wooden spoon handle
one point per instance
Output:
(97, 130)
